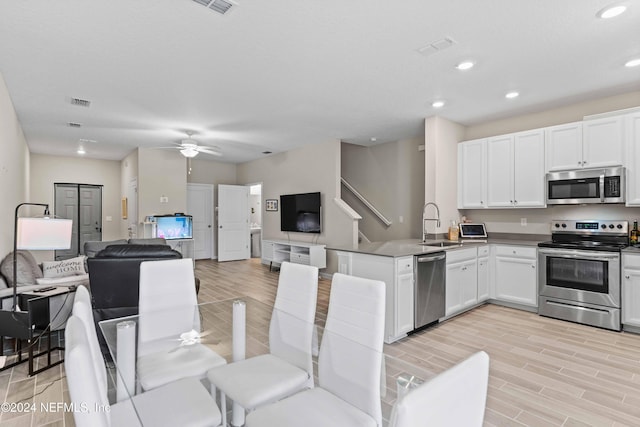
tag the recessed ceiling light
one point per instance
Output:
(438, 104)
(611, 11)
(373, 139)
(465, 65)
(81, 151)
(512, 95)
(632, 63)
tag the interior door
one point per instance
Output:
(200, 206)
(82, 204)
(233, 222)
(66, 206)
(90, 218)
(132, 209)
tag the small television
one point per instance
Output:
(300, 213)
(172, 227)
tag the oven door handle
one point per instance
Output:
(564, 253)
(602, 187)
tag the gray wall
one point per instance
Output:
(14, 169)
(307, 169)
(391, 177)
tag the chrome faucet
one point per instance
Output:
(425, 219)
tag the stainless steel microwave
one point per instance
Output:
(605, 185)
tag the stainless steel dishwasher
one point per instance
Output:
(429, 288)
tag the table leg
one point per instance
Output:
(239, 351)
(125, 359)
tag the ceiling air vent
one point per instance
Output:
(220, 6)
(436, 46)
(80, 102)
(74, 125)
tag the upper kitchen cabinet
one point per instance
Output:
(632, 138)
(564, 147)
(472, 174)
(515, 170)
(587, 144)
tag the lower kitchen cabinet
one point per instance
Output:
(515, 277)
(461, 281)
(397, 274)
(483, 273)
(631, 290)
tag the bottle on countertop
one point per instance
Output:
(633, 238)
(453, 231)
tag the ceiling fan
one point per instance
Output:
(189, 148)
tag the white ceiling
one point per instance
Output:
(274, 75)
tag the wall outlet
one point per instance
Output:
(523, 222)
(164, 199)
(109, 218)
(401, 219)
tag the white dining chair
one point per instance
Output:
(349, 364)
(168, 308)
(82, 309)
(182, 403)
(456, 397)
(288, 367)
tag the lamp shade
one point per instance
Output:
(43, 233)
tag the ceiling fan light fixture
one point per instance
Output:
(189, 152)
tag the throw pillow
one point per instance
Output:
(64, 268)
(3, 284)
(28, 270)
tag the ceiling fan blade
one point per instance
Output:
(208, 151)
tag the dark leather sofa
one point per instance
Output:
(114, 277)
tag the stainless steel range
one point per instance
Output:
(579, 277)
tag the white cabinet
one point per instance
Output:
(515, 170)
(515, 276)
(472, 174)
(483, 273)
(587, 144)
(631, 290)
(632, 139)
(397, 273)
(278, 251)
(461, 281)
(602, 142)
(404, 295)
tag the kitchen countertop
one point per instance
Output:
(409, 247)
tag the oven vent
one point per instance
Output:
(220, 6)
(74, 125)
(80, 102)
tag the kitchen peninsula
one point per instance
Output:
(500, 270)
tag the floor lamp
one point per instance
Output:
(42, 233)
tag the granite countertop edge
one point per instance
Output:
(411, 247)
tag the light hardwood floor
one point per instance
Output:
(544, 372)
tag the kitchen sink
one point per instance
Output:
(441, 244)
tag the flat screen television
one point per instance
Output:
(172, 227)
(300, 213)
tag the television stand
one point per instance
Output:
(279, 251)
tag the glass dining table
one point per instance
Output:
(235, 329)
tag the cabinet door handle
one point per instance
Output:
(579, 163)
(533, 266)
(627, 277)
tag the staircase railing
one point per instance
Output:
(364, 201)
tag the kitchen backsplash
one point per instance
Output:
(538, 221)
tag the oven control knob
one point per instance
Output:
(564, 225)
(603, 226)
(557, 225)
(610, 225)
(619, 226)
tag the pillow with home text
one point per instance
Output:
(67, 267)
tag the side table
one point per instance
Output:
(31, 324)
